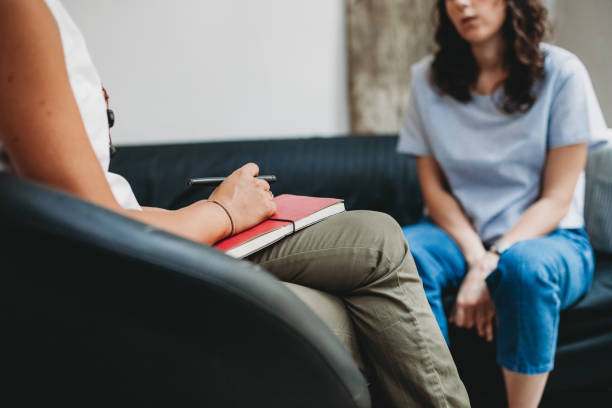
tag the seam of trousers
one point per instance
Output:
(433, 374)
(384, 350)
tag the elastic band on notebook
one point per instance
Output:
(284, 220)
(228, 214)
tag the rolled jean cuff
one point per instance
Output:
(523, 368)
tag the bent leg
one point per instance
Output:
(362, 257)
(440, 264)
(534, 281)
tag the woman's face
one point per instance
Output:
(477, 21)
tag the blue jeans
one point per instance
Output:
(533, 282)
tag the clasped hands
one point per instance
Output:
(474, 306)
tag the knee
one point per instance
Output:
(380, 231)
(523, 272)
(378, 227)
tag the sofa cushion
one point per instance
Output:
(598, 200)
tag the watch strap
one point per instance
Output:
(499, 247)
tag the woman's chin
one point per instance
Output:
(476, 37)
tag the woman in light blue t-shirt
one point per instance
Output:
(501, 124)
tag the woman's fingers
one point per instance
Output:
(489, 330)
(484, 325)
(453, 312)
(250, 169)
(485, 315)
(481, 321)
(459, 316)
(491, 317)
(262, 184)
(464, 316)
(469, 317)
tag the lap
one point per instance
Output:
(562, 260)
(336, 255)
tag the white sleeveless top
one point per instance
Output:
(87, 90)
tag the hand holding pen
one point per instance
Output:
(244, 196)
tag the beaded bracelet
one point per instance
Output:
(228, 214)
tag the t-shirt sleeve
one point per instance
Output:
(412, 137)
(576, 116)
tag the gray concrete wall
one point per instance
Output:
(385, 37)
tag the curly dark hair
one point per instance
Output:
(454, 69)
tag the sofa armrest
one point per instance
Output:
(598, 198)
(101, 310)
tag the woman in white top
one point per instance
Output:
(54, 130)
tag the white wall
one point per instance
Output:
(210, 69)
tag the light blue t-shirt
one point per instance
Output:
(494, 161)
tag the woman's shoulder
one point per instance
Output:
(422, 67)
(420, 73)
(561, 64)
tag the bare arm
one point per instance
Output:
(44, 136)
(474, 306)
(446, 211)
(563, 167)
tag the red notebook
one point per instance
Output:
(292, 214)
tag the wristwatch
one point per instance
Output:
(499, 247)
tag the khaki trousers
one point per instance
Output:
(362, 258)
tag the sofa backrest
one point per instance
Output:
(598, 200)
(365, 171)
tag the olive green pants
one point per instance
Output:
(362, 258)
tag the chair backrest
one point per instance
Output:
(101, 310)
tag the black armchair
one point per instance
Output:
(101, 310)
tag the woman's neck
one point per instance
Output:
(489, 56)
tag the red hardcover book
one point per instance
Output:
(293, 213)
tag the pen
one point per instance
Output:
(215, 181)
